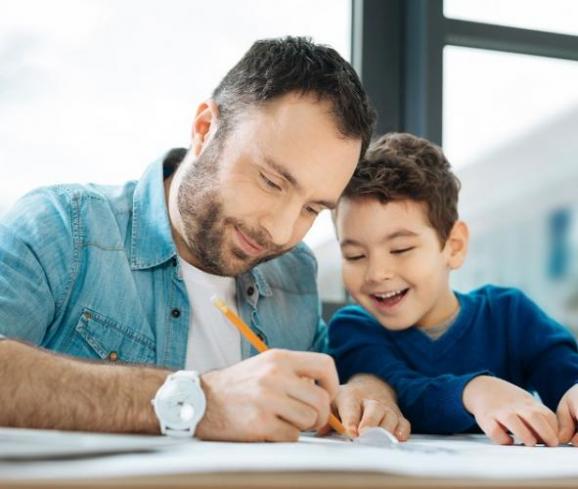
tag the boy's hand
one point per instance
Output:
(366, 401)
(568, 416)
(501, 408)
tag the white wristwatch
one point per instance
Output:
(180, 404)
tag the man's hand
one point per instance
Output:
(269, 397)
(366, 401)
(568, 416)
(501, 408)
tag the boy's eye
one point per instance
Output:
(353, 258)
(270, 183)
(402, 250)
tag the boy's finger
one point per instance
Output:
(542, 428)
(390, 421)
(373, 414)
(566, 424)
(349, 409)
(496, 432)
(403, 430)
(519, 429)
(574, 440)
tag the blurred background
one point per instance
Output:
(95, 90)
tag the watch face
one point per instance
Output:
(179, 404)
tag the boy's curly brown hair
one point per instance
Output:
(401, 166)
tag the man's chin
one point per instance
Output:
(241, 262)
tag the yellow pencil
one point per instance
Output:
(260, 346)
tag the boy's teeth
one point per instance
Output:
(389, 294)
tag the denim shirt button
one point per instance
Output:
(250, 290)
(87, 315)
(113, 356)
(176, 313)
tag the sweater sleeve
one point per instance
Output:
(548, 351)
(432, 404)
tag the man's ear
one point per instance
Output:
(456, 247)
(204, 125)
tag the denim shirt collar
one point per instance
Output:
(151, 239)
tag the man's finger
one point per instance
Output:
(281, 430)
(312, 395)
(300, 415)
(566, 423)
(317, 366)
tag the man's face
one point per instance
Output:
(393, 263)
(253, 195)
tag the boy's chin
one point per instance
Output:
(393, 325)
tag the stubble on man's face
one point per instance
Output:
(205, 225)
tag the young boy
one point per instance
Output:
(455, 360)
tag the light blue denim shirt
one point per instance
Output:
(91, 271)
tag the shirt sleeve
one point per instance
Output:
(35, 256)
(432, 404)
(547, 349)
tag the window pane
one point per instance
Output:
(554, 15)
(510, 130)
(95, 90)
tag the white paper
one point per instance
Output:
(471, 456)
(26, 444)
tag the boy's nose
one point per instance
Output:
(377, 275)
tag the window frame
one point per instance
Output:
(397, 48)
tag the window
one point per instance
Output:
(552, 16)
(95, 91)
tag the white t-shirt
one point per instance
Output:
(213, 341)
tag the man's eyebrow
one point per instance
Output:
(402, 233)
(286, 174)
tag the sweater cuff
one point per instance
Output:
(453, 400)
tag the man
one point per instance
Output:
(125, 274)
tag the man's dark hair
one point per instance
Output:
(401, 166)
(275, 67)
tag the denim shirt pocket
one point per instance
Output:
(99, 337)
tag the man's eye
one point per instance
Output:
(270, 183)
(312, 211)
(402, 250)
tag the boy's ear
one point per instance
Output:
(456, 247)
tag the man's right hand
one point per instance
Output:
(501, 408)
(269, 397)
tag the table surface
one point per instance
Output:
(286, 480)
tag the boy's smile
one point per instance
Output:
(393, 263)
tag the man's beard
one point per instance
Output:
(205, 224)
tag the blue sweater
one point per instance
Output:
(498, 332)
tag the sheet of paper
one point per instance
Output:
(464, 457)
(25, 444)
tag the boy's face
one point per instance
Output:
(393, 263)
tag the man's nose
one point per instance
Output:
(280, 224)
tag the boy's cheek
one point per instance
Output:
(352, 280)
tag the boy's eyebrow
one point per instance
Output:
(286, 174)
(401, 233)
